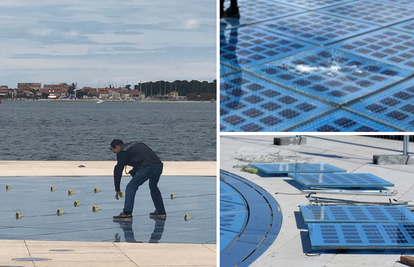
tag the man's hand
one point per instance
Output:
(118, 194)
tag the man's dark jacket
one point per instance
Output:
(135, 154)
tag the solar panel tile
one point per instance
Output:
(274, 168)
(330, 74)
(313, 4)
(250, 104)
(340, 180)
(361, 235)
(344, 121)
(356, 214)
(247, 46)
(261, 10)
(319, 29)
(394, 106)
(378, 12)
(386, 45)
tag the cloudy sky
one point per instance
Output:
(101, 42)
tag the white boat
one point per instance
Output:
(99, 101)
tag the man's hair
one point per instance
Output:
(116, 142)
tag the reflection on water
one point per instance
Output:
(126, 226)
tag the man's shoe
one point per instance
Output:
(123, 216)
(158, 214)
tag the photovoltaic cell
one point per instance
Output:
(394, 106)
(356, 214)
(330, 74)
(319, 29)
(341, 180)
(274, 168)
(361, 235)
(247, 46)
(386, 45)
(378, 12)
(344, 121)
(250, 104)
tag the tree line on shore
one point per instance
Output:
(193, 89)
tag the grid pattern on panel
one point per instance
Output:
(354, 214)
(250, 104)
(381, 13)
(341, 180)
(319, 29)
(386, 45)
(395, 106)
(273, 168)
(361, 235)
(313, 4)
(224, 70)
(343, 121)
(405, 26)
(330, 74)
(261, 10)
(233, 214)
(246, 46)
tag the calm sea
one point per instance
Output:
(35, 130)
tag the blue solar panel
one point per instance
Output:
(378, 12)
(400, 2)
(247, 46)
(250, 104)
(263, 224)
(341, 180)
(394, 106)
(356, 214)
(361, 235)
(227, 237)
(233, 214)
(344, 121)
(313, 4)
(274, 168)
(229, 194)
(224, 70)
(386, 45)
(330, 74)
(261, 10)
(319, 29)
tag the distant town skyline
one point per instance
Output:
(98, 43)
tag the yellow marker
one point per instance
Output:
(18, 215)
(173, 196)
(70, 192)
(187, 217)
(250, 169)
(59, 212)
(95, 209)
(8, 187)
(96, 190)
(52, 189)
(122, 194)
(76, 203)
